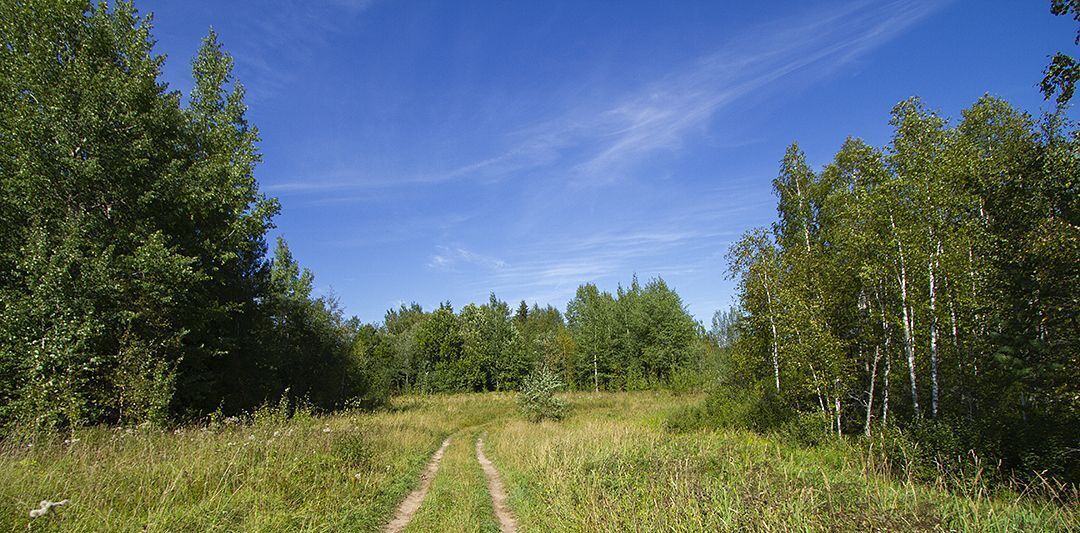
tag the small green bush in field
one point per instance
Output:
(755, 407)
(537, 399)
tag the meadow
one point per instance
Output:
(611, 464)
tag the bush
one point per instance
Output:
(755, 407)
(687, 379)
(687, 418)
(807, 429)
(537, 399)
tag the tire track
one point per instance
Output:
(411, 503)
(507, 524)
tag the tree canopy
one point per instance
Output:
(134, 278)
(953, 255)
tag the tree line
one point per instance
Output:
(929, 285)
(135, 280)
(933, 284)
(136, 283)
(640, 337)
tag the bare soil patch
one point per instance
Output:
(507, 524)
(411, 503)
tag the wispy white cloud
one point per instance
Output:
(353, 5)
(665, 113)
(396, 229)
(285, 33)
(599, 143)
(550, 271)
(452, 258)
(308, 186)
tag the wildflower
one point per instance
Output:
(45, 506)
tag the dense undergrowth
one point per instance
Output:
(622, 462)
(930, 452)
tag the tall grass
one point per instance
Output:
(459, 499)
(265, 473)
(612, 465)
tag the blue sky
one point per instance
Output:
(431, 151)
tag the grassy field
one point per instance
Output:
(610, 465)
(337, 473)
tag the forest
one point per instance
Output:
(641, 337)
(136, 283)
(930, 285)
(925, 293)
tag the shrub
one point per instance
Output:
(755, 407)
(537, 399)
(807, 429)
(687, 418)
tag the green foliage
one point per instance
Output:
(930, 285)
(757, 408)
(134, 287)
(637, 339)
(1060, 78)
(1063, 72)
(642, 339)
(537, 399)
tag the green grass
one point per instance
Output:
(458, 500)
(610, 465)
(265, 476)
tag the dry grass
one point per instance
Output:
(337, 473)
(609, 465)
(459, 499)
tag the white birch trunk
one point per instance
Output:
(909, 321)
(873, 380)
(933, 335)
(775, 337)
(806, 221)
(952, 317)
(839, 432)
(817, 387)
(887, 334)
(595, 374)
(885, 392)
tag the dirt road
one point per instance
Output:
(507, 524)
(412, 502)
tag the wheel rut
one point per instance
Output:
(507, 523)
(408, 507)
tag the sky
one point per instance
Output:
(431, 151)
